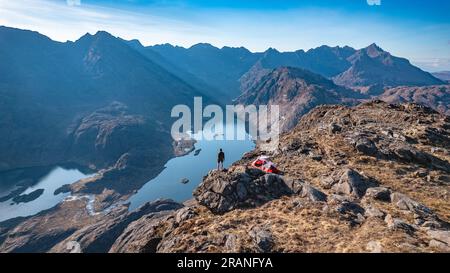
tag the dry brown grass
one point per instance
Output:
(308, 227)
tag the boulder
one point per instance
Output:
(222, 192)
(184, 214)
(366, 147)
(312, 193)
(374, 247)
(403, 202)
(379, 193)
(440, 235)
(263, 239)
(410, 154)
(398, 224)
(328, 182)
(374, 212)
(338, 199)
(231, 243)
(305, 190)
(334, 128)
(350, 207)
(351, 212)
(184, 180)
(351, 183)
(296, 185)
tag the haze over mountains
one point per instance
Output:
(53, 93)
(297, 91)
(443, 75)
(232, 70)
(105, 103)
(51, 88)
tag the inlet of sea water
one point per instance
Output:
(48, 179)
(168, 184)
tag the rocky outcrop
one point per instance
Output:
(101, 137)
(351, 183)
(379, 186)
(100, 237)
(223, 191)
(440, 239)
(436, 97)
(379, 193)
(145, 234)
(262, 237)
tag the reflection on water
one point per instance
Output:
(168, 184)
(47, 178)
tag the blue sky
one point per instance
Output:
(417, 30)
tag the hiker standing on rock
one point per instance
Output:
(220, 159)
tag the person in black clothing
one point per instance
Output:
(220, 159)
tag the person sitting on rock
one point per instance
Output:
(220, 159)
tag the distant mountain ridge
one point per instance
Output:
(49, 88)
(104, 103)
(233, 70)
(54, 85)
(436, 97)
(296, 91)
(372, 66)
(443, 75)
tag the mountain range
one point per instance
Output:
(297, 91)
(233, 70)
(95, 99)
(50, 90)
(105, 103)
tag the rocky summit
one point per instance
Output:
(368, 178)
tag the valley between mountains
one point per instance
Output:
(365, 149)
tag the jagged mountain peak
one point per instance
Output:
(271, 51)
(203, 46)
(135, 43)
(373, 50)
(100, 35)
(373, 69)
